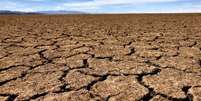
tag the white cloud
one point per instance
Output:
(7, 5)
(189, 10)
(14, 6)
(100, 3)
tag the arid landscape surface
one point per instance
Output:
(100, 57)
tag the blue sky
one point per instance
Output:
(104, 6)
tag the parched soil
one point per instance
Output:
(100, 58)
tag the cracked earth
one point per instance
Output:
(100, 58)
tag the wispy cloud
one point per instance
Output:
(8, 5)
(100, 3)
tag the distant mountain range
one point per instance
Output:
(61, 12)
(7, 12)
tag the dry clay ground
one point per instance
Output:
(100, 58)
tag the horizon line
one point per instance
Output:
(152, 12)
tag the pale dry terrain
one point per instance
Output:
(100, 58)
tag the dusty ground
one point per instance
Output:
(100, 58)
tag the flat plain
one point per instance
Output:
(133, 57)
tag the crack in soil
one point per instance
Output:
(90, 85)
(21, 76)
(43, 57)
(199, 62)
(158, 66)
(4, 69)
(11, 97)
(6, 81)
(189, 96)
(110, 96)
(110, 58)
(132, 51)
(128, 44)
(153, 93)
(63, 87)
(36, 96)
